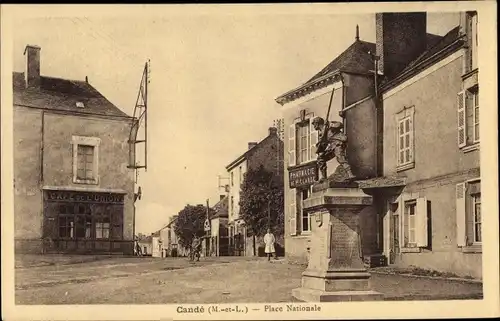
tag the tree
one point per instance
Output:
(190, 222)
(261, 202)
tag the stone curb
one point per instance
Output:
(430, 277)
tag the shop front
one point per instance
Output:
(84, 222)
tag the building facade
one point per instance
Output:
(219, 241)
(171, 243)
(73, 191)
(413, 144)
(430, 193)
(266, 153)
(345, 83)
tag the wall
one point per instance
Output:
(266, 154)
(113, 156)
(28, 217)
(361, 135)
(439, 164)
(234, 190)
(360, 128)
(57, 165)
(435, 101)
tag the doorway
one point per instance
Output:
(394, 231)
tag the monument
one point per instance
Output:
(335, 270)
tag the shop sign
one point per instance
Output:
(89, 197)
(303, 175)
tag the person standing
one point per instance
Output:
(269, 241)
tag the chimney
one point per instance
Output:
(32, 66)
(400, 38)
(273, 131)
(221, 197)
(252, 145)
(357, 33)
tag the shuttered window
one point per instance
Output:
(313, 140)
(292, 214)
(405, 141)
(292, 156)
(468, 213)
(475, 107)
(462, 131)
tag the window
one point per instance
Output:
(473, 39)
(232, 178)
(476, 213)
(475, 105)
(468, 211)
(66, 227)
(415, 224)
(405, 145)
(241, 175)
(85, 160)
(302, 139)
(410, 209)
(102, 228)
(232, 206)
(468, 118)
(306, 217)
(405, 136)
(303, 143)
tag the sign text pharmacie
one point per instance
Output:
(303, 176)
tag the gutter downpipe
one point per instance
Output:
(42, 151)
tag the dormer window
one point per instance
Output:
(80, 104)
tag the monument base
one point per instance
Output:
(312, 295)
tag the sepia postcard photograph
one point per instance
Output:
(253, 161)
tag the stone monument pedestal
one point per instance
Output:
(335, 271)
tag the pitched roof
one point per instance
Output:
(221, 208)
(438, 48)
(63, 94)
(245, 155)
(355, 59)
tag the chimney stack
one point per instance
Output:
(273, 131)
(32, 66)
(400, 39)
(252, 145)
(357, 33)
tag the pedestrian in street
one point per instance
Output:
(195, 248)
(269, 241)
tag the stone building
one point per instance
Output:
(219, 241)
(420, 163)
(266, 153)
(429, 192)
(73, 191)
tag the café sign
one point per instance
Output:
(88, 197)
(303, 175)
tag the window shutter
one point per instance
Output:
(421, 222)
(293, 215)
(405, 226)
(469, 216)
(400, 142)
(461, 113)
(460, 212)
(313, 139)
(291, 146)
(410, 146)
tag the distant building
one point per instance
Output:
(219, 242)
(73, 192)
(266, 153)
(170, 240)
(146, 245)
(279, 124)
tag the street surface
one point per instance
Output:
(135, 280)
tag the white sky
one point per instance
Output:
(213, 83)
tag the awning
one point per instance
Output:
(382, 182)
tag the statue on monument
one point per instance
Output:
(332, 143)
